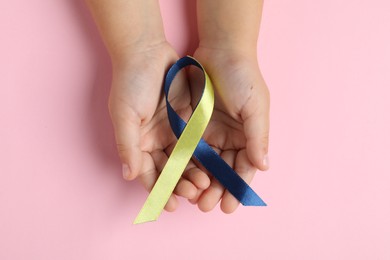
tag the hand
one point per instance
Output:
(138, 112)
(238, 129)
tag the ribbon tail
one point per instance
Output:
(143, 218)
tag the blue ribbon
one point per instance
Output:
(204, 153)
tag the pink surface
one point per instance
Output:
(61, 191)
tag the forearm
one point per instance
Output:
(232, 24)
(128, 25)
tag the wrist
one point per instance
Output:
(230, 43)
(221, 40)
(230, 52)
(125, 53)
(133, 45)
(141, 54)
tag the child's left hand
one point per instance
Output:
(238, 129)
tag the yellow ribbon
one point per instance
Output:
(180, 156)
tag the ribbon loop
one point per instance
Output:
(190, 143)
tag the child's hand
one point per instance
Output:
(137, 108)
(238, 129)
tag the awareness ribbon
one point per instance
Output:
(190, 143)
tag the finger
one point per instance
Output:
(245, 169)
(256, 128)
(148, 178)
(184, 187)
(196, 198)
(127, 134)
(210, 197)
(208, 175)
(196, 176)
(199, 178)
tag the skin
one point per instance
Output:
(140, 56)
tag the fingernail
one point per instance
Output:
(126, 171)
(266, 161)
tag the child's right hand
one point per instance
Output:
(143, 135)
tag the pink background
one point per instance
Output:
(61, 192)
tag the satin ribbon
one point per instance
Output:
(190, 143)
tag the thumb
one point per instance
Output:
(256, 127)
(127, 135)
